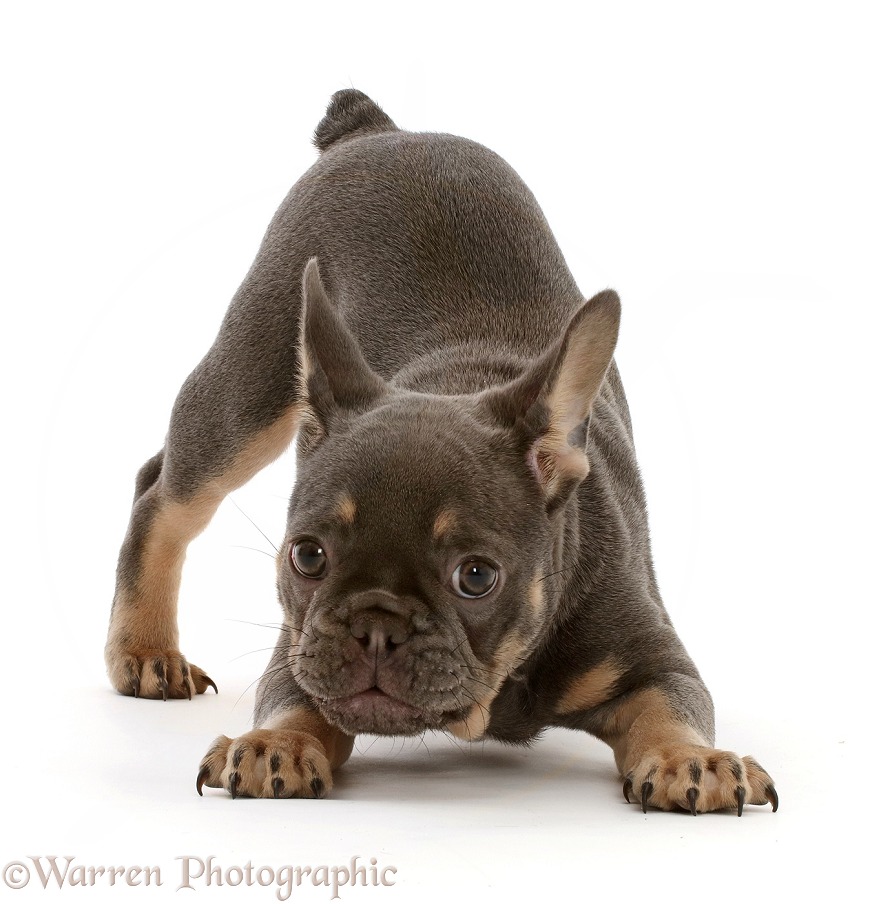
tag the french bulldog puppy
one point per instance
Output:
(467, 546)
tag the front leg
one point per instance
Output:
(292, 750)
(662, 739)
(236, 413)
(292, 755)
(177, 493)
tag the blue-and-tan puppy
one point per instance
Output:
(467, 545)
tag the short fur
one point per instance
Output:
(410, 314)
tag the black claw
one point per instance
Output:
(317, 787)
(645, 793)
(234, 782)
(189, 691)
(741, 799)
(135, 684)
(200, 779)
(277, 786)
(772, 796)
(625, 789)
(210, 683)
(692, 798)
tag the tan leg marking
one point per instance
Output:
(669, 765)
(592, 688)
(293, 754)
(143, 634)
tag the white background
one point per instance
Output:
(708, 162)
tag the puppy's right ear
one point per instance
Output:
(336, 380)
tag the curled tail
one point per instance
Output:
(350, 113)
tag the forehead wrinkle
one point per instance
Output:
(405, 462)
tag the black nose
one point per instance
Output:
(379, 632)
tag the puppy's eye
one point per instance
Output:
(308, 558)
(474, 578)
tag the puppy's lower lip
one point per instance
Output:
(373, 693)
(375, 696)
(373, 699)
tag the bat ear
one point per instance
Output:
(336, 379)
(551, 402)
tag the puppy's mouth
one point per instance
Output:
(374, 711)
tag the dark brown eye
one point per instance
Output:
(308, 558)
(474, 578)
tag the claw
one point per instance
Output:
(625, 789)
(741, 799)
(645, 793)
(234, 781)
(135, 684)
(210, 683)
(164, 684)
(772, 796)
(200, 779)
(277, 786)
(692, 798)
(317, 787)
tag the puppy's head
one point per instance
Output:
(421, 526)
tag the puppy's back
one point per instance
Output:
(425, 240)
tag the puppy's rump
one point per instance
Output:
(350, 113)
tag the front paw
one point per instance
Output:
(267, 763)
(156, 674)
(698, 779)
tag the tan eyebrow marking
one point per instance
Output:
(445, 522)
(346, 509)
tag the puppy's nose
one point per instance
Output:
(379, 634)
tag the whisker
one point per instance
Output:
(255, 525)
(364, 752)
(489, 686)
(252, 549)
(272, 672)
(553, 574)
(425, 745)
(278, 626)
(251, 653)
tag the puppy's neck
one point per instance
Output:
(459, 370)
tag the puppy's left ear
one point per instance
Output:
(336, 380)
(551, 402)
